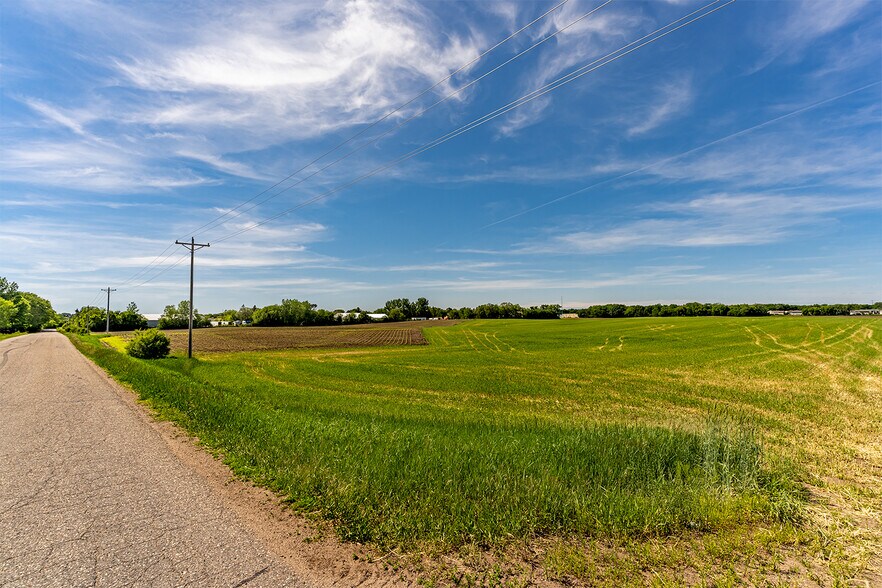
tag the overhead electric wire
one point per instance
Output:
(367, 128)
(145, 269)
(162, 271)
(388, 114)
(550, 87)
(94, 300)
(680, 155)
(374, 140)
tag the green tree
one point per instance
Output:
(404, 305)
(421, 308)
(130, 319)
(7, 315)
(178, 317)
(8, 289)
(396, 314)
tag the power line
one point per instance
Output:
(94, 300)
(538, 93)
(418, 114)
(680, 155)
(144, 270)
(364, 130)
(387, 115)
(162, 271)
(563, 80)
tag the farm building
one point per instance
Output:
(865, 311)
(569, 315)
(786, 312)
(152, 320)
(374, 316)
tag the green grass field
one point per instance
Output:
(499, 431)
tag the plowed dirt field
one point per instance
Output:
(225, 339)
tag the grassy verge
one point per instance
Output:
(399, 471)
(10, 335)
(114, 342)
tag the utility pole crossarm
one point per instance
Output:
(193, 246)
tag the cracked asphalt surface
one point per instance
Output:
(90, 494)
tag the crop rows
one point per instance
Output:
(232, 339)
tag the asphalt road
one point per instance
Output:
(90, 495)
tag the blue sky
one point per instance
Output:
(738, 159)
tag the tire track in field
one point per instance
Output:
(465, 333)
(511, 349)
(491, 342)
(805, 340)
(833, 367)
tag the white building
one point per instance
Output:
(152, 320)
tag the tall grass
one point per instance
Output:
(406, 467)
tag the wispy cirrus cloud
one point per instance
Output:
(587, 40)
(227, 80)
(71, 275)
(278, 71)
(88, 165)
(674, 97)
(804, 22)
(712, 221)
(824, 149)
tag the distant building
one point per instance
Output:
(568, 315)
(374, 316)
(152, 320)
(786, 312)
(865, 311)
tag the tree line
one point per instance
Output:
(24, 311)
(712, 309)
(293, 312)
(92, 318)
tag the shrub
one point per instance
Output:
(74, 328)
(149, 344)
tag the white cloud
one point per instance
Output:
(225, 80)
(73, 273)
(816, 153)
(674, 97)
(588, 40)
(56, 115)
(806, 21)
(451, 266)
(283, 71)
(90, 166)
(219, 163)
(712, 221)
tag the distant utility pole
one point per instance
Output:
(192, 246)
(108, 290)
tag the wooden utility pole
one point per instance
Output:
(108, 290)
(192, 246)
